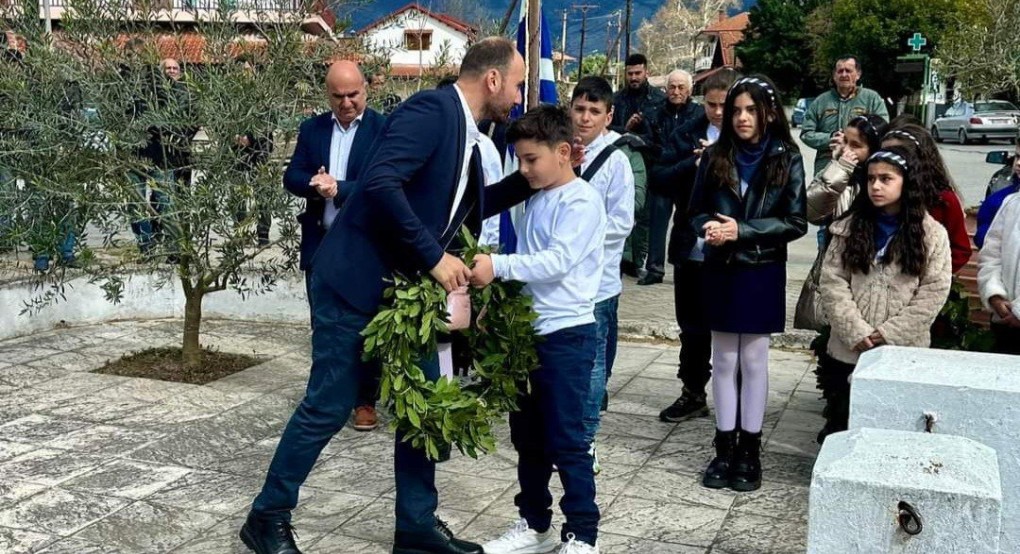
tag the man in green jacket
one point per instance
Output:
(829, 113)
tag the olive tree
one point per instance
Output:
(152, 175)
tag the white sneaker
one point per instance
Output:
(595, 466)
(521, 539)
(574, 546)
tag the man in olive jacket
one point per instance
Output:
(829, 113)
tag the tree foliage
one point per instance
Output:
(776, 43)
(982, 50)
(668, 39)
(78, 109)
(876, 31)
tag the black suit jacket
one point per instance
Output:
(394, 218)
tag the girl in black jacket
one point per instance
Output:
(749, 201)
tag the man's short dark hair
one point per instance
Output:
(636, 59)
(721, 80)
(488, 53)
(446, 81)
(550, 125)
(848, 57)
(593, 89)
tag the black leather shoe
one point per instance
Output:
(438, 540)
(650, 279)
(268, 536)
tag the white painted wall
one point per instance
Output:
(390, 36)
(86, 304)
(973, 395)
(861, 476)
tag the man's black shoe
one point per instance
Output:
(650, 279)
(268, 536)
(686, 407)
(438, 540)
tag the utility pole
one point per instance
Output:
(534, 51)
(619, 31)
(627, 22)
(49, 17)
(563, 46)
(584, 27)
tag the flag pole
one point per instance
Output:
(534, 51)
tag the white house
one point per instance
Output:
(418, 39)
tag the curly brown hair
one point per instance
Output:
(907, 245)
(931, 171)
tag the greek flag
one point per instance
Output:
(546, 95)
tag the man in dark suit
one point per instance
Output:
(423, 180)
(330, 155)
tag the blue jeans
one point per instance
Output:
(144, 226)
(549, 429)
(606, 319)
(337, 370)
(66, 250)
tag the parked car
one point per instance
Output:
(1004, 175)
(800, 110)
(988, 119)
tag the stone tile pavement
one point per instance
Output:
(110, 465)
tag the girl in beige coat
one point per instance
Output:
(886, 274)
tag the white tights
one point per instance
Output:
(749, 355)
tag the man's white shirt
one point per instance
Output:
(339, 157)
(469, 145)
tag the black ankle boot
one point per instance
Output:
(747, 463)
(718, 473)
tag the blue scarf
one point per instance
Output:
(885, 227)
(749, 158)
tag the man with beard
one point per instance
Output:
(416, 191)
(635, 109)
(832, 110)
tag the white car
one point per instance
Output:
(983, 120)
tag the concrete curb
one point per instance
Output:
(643, 330)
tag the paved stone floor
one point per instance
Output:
(100, 464)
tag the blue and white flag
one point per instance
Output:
(547, 95)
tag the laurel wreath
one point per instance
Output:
(436, 415)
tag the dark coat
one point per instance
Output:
(769, 216)
(393, 220)
(674, 176)
(312, 152)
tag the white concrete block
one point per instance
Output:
(861, 476)
(971, 395)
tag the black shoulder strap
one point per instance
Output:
(598, 162)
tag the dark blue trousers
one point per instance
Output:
(337, 371)
(549, 429)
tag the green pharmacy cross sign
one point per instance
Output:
(917, 42)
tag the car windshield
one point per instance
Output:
(998, 106)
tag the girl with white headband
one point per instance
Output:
(748, 203)
(886, 273)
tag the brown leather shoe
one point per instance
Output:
(365, 418)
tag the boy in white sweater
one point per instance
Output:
(559, 258)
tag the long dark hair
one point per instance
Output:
(907, 246)
(872, 127)
(772, 122)
(931, 173)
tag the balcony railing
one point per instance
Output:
(198, 5)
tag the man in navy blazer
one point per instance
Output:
(331, 152)
(423, 180)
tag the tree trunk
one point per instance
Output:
(191, 349)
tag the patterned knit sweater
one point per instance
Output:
(902, 307)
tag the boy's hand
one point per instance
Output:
(481, 271)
